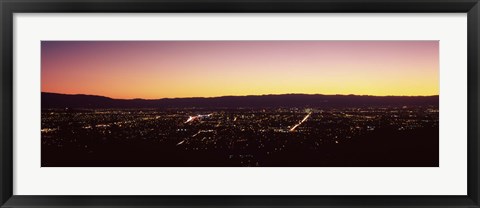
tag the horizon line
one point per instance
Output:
(243, 96)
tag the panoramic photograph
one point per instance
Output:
(286, 103)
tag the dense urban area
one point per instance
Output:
(266, 137)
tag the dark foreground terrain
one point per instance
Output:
(377, 136)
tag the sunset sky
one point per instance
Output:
(169, 69)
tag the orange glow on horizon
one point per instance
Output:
(173, 69)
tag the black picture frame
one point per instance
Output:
(9, 7)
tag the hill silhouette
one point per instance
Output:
(55, 100)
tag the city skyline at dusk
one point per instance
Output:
(176, 69)
(109, 103)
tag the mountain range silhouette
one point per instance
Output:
(56, 100)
